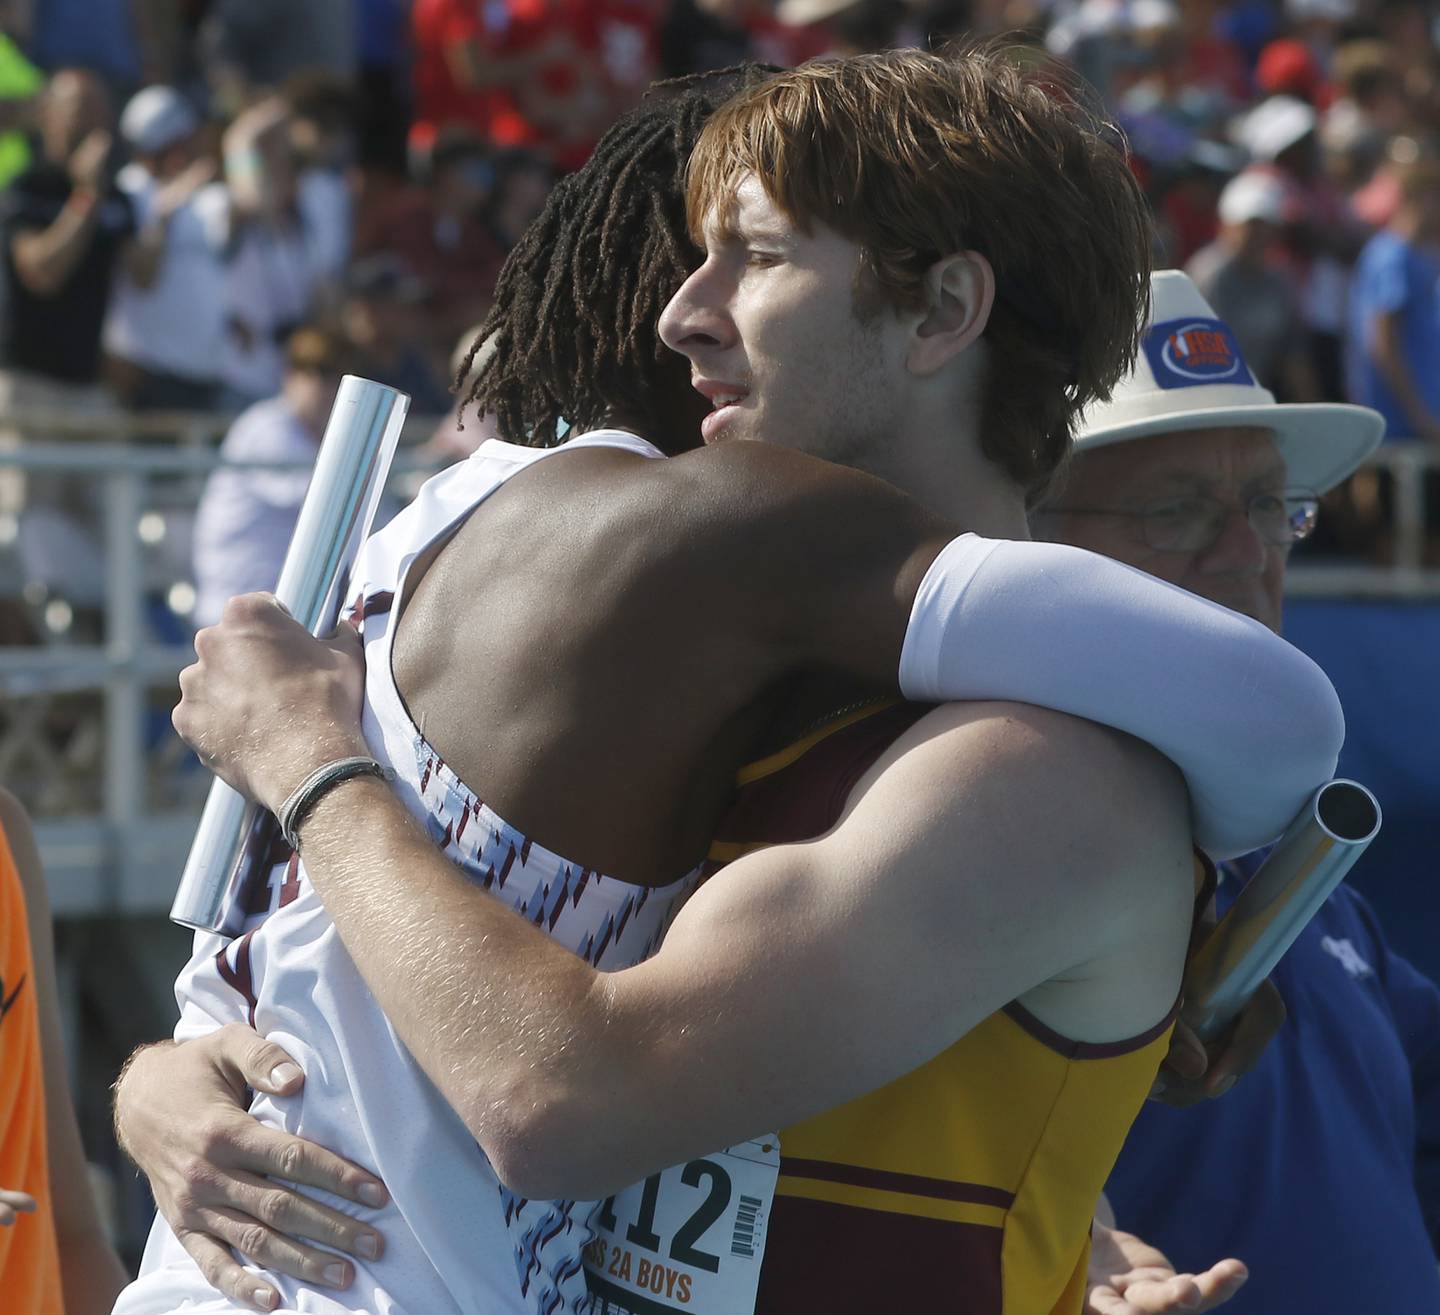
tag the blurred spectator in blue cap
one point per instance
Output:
(165, 332)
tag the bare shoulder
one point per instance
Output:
(1046, 785)
(1045, 748)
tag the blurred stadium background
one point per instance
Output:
(254, 196)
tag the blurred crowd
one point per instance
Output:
(219, 205)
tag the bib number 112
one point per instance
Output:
(688, 1239)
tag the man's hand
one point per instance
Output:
(1194, 1071)
(172, 195)
(12, 1203)
(1130, 1277)
(266, 703)
(180, 1114)
(88, 162)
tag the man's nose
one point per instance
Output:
(696, 316)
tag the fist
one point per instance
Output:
(266, 703)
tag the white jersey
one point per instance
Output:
(455, 1239)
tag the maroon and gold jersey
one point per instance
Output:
(967, 1186)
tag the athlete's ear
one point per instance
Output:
(959, 292)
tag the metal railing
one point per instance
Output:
(122, 851)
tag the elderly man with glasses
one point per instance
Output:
(1322, 1170)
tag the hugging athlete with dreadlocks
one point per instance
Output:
(615, 627)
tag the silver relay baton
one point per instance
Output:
(1319, 847)
(234, 836)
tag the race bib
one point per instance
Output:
(689, 1239)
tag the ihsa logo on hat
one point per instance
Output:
(1189, 353)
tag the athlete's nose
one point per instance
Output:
(696, 316)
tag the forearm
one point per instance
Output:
(1252, 723)
(507, 1023)
(46, 258)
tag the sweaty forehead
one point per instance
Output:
(745, 210)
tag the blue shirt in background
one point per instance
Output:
(1393, 275)
(1321, 1169)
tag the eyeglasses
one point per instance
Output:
(1193, 524)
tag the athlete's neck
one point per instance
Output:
(944, 470)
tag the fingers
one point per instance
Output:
(1220, 1282)
(1257, 1024)
(1159, 1293)
(1183, 1066)
(270, 1249)
(249, 1060)
(223, 1273)
(276, 1208)
(252, 1146)
(13, 1204)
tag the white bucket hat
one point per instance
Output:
(1189, 374)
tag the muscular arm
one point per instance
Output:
(832, 568)
(90, 1270)
(976, 863)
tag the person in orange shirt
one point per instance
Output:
(54, 1257)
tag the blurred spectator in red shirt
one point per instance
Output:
(1288, 68)
(547, 74)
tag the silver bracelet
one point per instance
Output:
(320, 782)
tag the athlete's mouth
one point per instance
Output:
(720, 394)
(724, 398)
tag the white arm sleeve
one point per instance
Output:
(1253, 724)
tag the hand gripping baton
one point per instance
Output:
(1308, 862)
(235, 835)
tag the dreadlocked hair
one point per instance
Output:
(571, 337)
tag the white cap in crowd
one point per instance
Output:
(1275, 125)
(1189, 374)
(1253, 195)
(156, 118)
